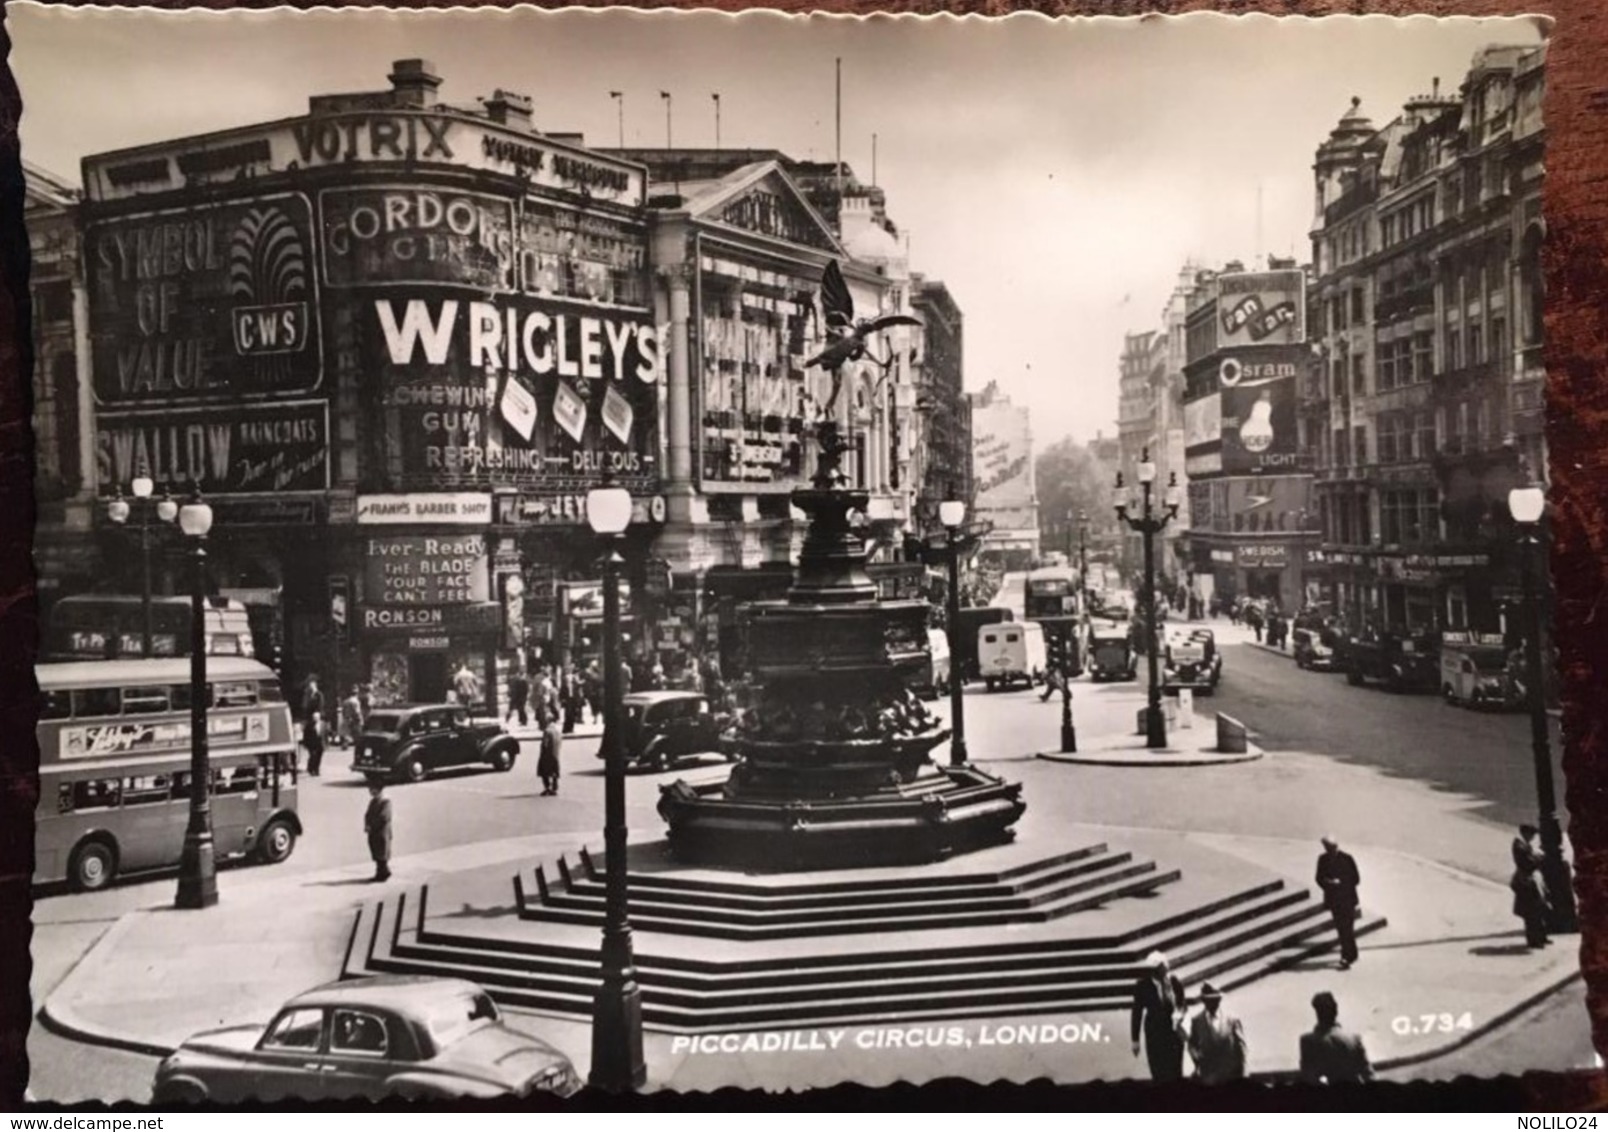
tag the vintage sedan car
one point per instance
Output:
(1190, 659)
(407, 743)
(1111, 654)
(662, 729)
(1313, 640)
(388, 1036)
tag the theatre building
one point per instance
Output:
(394, 342)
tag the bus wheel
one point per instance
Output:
(277, 842)
(94, 865)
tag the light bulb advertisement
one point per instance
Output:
(1258, 389)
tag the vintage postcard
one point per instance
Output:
(669, 551)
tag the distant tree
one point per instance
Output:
(1070, 480)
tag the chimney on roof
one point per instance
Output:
(509, 109)
(1434, 87)
(414, 82)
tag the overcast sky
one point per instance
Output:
(1055, 174)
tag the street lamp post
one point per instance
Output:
(617, 1063)
(1148, 525)
(166, 510)
(1083, 562)
(198, 874)
(952, 513)
(1527, 505)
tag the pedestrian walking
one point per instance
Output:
(1532, 903)
(569, 696)
(547, 763)
(1253, 618)
(377, 826)
(1330, 1054)
(466, 685)
(1158, 1006)
(365, 700)
(313, 726)
(592, 689)
(518, 696)
(1338, 878)
(1216, 1040)
(351, 717)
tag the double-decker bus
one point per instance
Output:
(1050, 591)
(112, 626)
(114, 766)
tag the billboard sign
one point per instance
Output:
(1261, 308)
(215, 302)
(1203, 422)
(1258, 389)
(1002, 454)
(242, 449)
(393, 234)
(427, 570)
(521, 392)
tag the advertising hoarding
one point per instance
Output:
(1258, 389)
(242, 449)
(517, 392)
(1261, 308)
(1002, 455)
(1203, 422)
(427, 570)
(212, 302)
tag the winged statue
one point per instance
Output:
(847, 338)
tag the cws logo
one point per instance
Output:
(268, 283)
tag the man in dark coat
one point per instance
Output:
(1330, 1054)
(547, 763)
(1337, 876)
(377, 825)
(518, 694)
(1531, 901)
(313, 725)
(1158, 1007)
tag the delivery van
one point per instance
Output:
(1010, 652)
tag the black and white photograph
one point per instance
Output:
(664, 551)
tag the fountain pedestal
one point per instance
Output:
(835, 764)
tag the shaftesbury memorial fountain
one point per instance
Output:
(833, 749)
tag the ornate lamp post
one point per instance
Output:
(617, 1063)
(1083, 562)
(1527, 505)
(166, 510)
(1148, 525)
(198, 875)
(952, 513)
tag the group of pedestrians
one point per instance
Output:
(316, 720)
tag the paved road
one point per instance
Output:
(1476, 753)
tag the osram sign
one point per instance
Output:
(1258, 410)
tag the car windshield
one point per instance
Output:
(451, 1019)
(382, 721)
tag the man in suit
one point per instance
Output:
(313, 726)
(1158, 1006)
(1330, 1054)
(1216, 1040)
(1337, 876)
(377, 825)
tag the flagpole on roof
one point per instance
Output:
(619, 102)
(838, 152)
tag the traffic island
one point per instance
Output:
(1230, 744)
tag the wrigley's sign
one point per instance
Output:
(447, 507)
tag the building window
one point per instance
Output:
(1423, 436)
(1359, 374)
(1499, 343)
(1340, 367)
(1341, 452)
(53, 301)
(1359, 440)
(1357, 317)
(1476, 344)
(1423, 355)
(1454, 348)
(1482, 422)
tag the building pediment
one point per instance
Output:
(765, 201)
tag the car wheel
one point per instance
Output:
(502, 760)
(277, 841)
(180, 1092)
(93, 866)
(1447, 697)
(414, 769)
(1353, 678)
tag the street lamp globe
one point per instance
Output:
(195, 518)
(167, 509)
(143, 487)
(1526, 504)
(117, 510)
(1147, 470)
(608, 510)
(952, 512)
(1173, 498)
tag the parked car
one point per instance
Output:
(407, 743)
(1111, 654)
(1190, 659)
(1475, 672)
(1115, 609)
(1401, 662)
(1011, 652)
(388, 1036)
(662, 729)
(1312, 641)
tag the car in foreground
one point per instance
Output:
(400, 1036)
(663, 729)
(407, 743)
(1190, 659)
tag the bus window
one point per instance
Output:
(93, 794)
(234, 695)
(56, 704)
(146, 789)
(144, 700)
(234, 780)
(179, 696)
(96, 701)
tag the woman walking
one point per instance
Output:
(547, 763)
